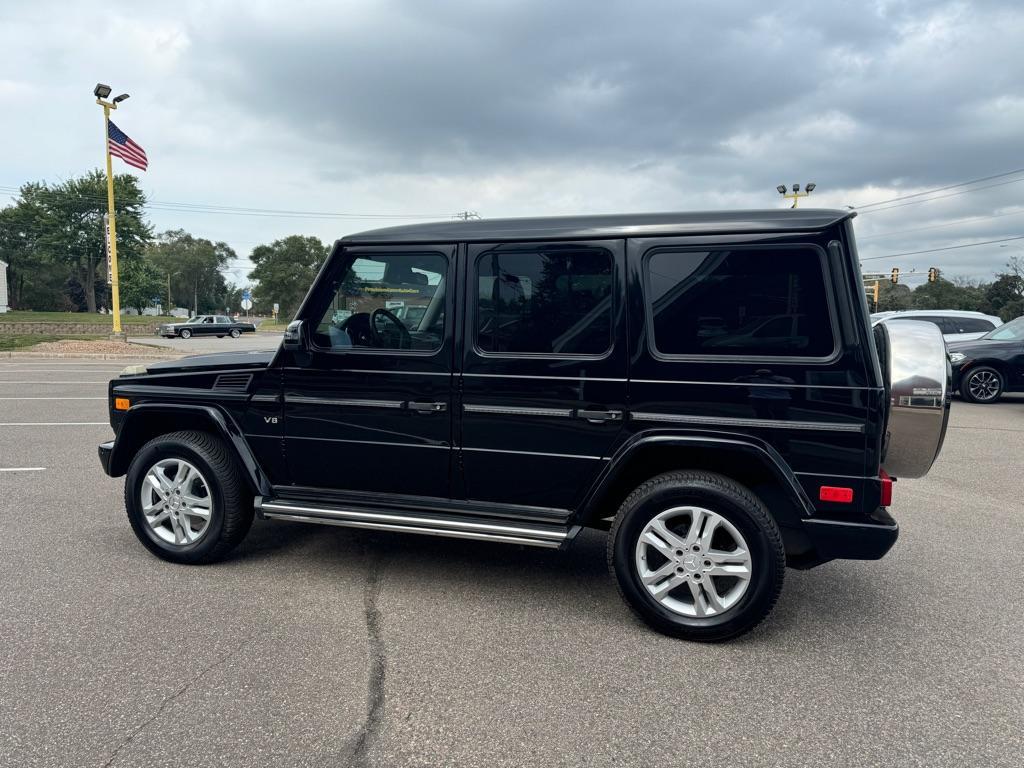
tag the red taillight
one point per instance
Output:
(885, 483)
(839, 495)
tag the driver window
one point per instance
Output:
(387, 301)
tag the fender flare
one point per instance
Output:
(125, 445)
(762, 452)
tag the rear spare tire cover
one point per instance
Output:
(920, 384)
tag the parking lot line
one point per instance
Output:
(54, 423)
(54, 382)
(22, 469)
(53, 398)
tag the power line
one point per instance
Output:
(947, 248)
(942, 197)
(940, 189)
(940, 226)
(181, 207)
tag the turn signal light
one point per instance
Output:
(886, 488)
(839, 495)
(121, 404)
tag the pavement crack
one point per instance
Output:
(370, 728)
(168, 700)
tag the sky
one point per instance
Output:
(400, 111)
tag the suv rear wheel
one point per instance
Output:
(697, 556)
(982, 385)
(186, 499)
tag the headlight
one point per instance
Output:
(134, 370)
(957, 357)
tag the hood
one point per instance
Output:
(199, 363)
(977, 345)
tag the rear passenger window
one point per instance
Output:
(549, 301)
(974, 325)
(761, 302)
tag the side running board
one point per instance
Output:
(426, 523)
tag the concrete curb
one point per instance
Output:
(86, 356)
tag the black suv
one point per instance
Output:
(705, 386)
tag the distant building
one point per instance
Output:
(3, 286)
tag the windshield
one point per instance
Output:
(1012, 331)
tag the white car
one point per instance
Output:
(955, 324)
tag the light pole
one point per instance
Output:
(101, 92)
(796, 194)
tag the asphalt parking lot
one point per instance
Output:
(200, 345)
(320, 646)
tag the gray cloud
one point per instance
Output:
(529, 107)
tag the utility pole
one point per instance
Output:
(466, 215)
(101, 92)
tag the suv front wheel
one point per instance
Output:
(186, 499)
(697, 556)
(982, 385)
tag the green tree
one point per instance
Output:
(62, 226)
(892, 297)
(193, 267)
(140, 283)
(946, 294)
(285, 269)
(1005, 296)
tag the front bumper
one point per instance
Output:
(827, 540)
(105, 450)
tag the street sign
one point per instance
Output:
(246, 303)
(246, 295)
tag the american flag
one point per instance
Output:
(121, 146)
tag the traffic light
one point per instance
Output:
(933, 274)
(895, 277)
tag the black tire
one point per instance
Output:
(185, 333)
(992, 377)
(232, 511)
(235, 333)
(742, 509)
(220, 335)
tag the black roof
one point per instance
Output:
(608, 226)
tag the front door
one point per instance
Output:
(369, 408)
(544, 370)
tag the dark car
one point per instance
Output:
(561, 376)
(206, 325)
(986, 368)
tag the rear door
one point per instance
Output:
(370, 409)
(544, 369)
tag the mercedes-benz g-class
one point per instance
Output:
(705, 386)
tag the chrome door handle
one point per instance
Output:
(597, 417)
(426, 407)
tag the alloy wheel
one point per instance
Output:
(983, 385)
(693, 561)
(176, 502)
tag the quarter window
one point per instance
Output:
(555, 301)
(758, 302)
(387, 301)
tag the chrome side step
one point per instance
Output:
(533, 535)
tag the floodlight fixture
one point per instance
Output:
(782, 189)
(809, 187)
(796, 187)
(119, 99)
(101, 91)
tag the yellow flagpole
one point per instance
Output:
(115, 292)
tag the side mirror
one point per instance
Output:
(295, 336)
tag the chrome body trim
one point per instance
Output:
(565, 413)
(444, 446)
(415, 524)
(749, 384)
(524, 376)
(537, 453)
(355, 403)
(846, 524)
(728, 421)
